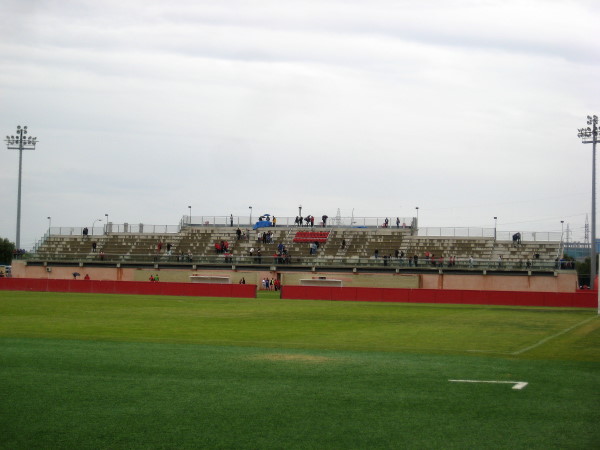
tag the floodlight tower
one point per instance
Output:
(589, 135)
(20, 142)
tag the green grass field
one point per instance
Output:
(115, 371)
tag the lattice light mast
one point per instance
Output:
(589, 135)
(20, 142)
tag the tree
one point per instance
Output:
(583, 271)
(6, 251)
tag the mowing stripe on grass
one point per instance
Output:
(546, 339)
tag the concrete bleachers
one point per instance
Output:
(337, 245)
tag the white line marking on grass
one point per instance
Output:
(560, 333)
(517, 384)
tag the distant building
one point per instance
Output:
(580, 250)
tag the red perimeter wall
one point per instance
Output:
(129, 287)
(582, 299)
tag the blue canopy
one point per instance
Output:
(262, 224)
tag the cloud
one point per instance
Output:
(467, 109)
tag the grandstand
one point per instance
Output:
(342, 246)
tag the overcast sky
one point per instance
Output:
(467, 109)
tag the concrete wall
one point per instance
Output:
(563, 282)
(355, 279)
(19, 270)
(183, 276)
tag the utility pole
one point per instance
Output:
(495, 227)
(589, 135)
(20, 142)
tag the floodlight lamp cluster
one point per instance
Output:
(589, 134)
(584, 133)
(20, 140)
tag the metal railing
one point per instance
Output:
(244, 221)
(113, 228)
(535, 236)
(188, 222)
(270, 260)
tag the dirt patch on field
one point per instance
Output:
(293, 357)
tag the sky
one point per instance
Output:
(466, 109)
